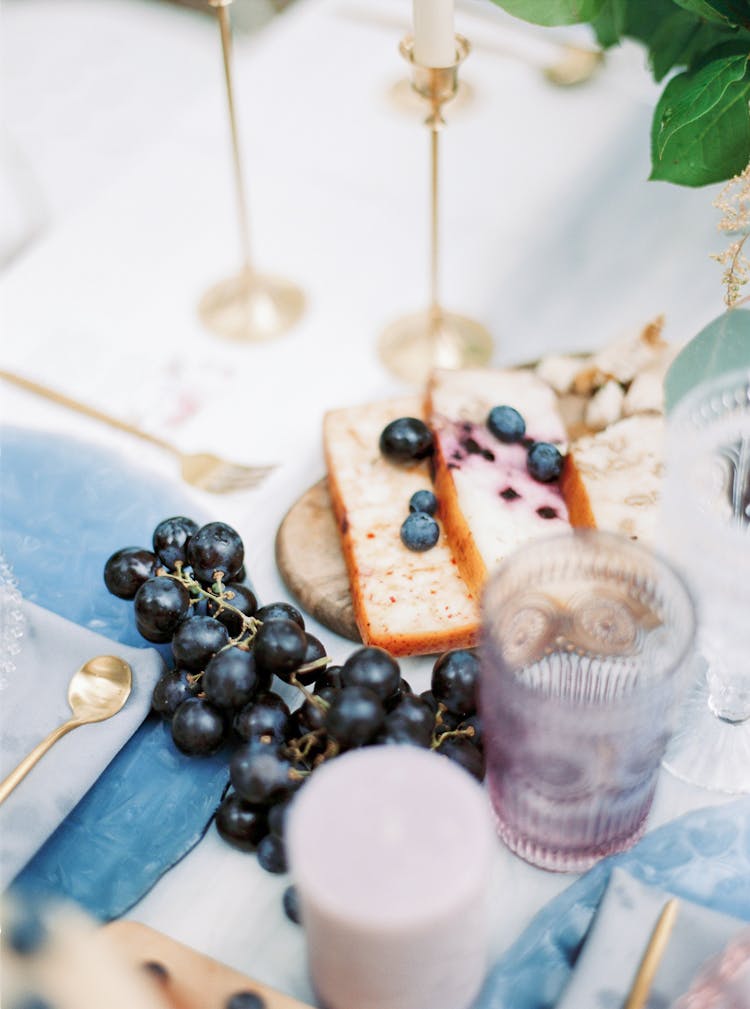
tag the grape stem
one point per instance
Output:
(317, 702)
(468, 733)
(219, 595)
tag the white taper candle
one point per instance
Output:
(434, 36)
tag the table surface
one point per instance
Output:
(124, 214)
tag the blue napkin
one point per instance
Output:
(65, 506)
(702, 857)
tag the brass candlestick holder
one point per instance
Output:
(412, 346)
(249, 306)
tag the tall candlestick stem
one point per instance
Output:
(248, 306)
(415, 344)
(222, 13)
(435, 234)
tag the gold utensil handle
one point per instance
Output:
(17, 775)
(82, 408)
(657, 944)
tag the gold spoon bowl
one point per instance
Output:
(98, 690)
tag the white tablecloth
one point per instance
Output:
(551, 235)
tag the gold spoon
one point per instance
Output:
(98, 690)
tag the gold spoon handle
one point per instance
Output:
(87, 411)
(17, 775)
(652, 957)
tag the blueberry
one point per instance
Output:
(156, 970)
(420, 531)
(245, 1000)
(544, 462)
(423, 501)
(506, 424)
(406, 440)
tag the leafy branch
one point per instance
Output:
(701, 126)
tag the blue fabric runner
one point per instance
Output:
(65, 506)
(703, 856)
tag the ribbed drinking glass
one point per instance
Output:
(584, 637)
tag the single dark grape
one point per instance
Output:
(429, 698)
(406, 439)
(198, 728)
(404, 690)
(411, 717)
(290, 900)
(330, 677)
(280, 647)
(277, 818)
(215, 548)
(260, 773)
(245, 1000)
(373, 668)
(160, 604)
(241, 598)
(240, 823)
(309, 717)
(231, 679)
(455, 678)
(280, 611)
(271, 854)
(314, 650)
(127, 569)
(197, 640)
(171, 538)
(464, 753)
(171, 690)
(267, 715)
(355, 717)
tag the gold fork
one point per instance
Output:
(204, 470)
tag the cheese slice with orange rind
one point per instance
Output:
(407, 602)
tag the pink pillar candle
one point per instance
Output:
(390, 849)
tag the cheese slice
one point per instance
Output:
(407, 602)
(612, 480)
(489, 502)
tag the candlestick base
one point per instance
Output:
(404, 98)
(251, 307)
(412, 346)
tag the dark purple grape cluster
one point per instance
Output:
(228, 655)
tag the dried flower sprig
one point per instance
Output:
(734, 203)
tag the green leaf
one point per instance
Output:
(709, 149)
(712, 10)
(704, 90)
(669, 44)
(552, 12)
(723, 346)
(609, 25)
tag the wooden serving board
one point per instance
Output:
(311, 562)
(193, 981)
